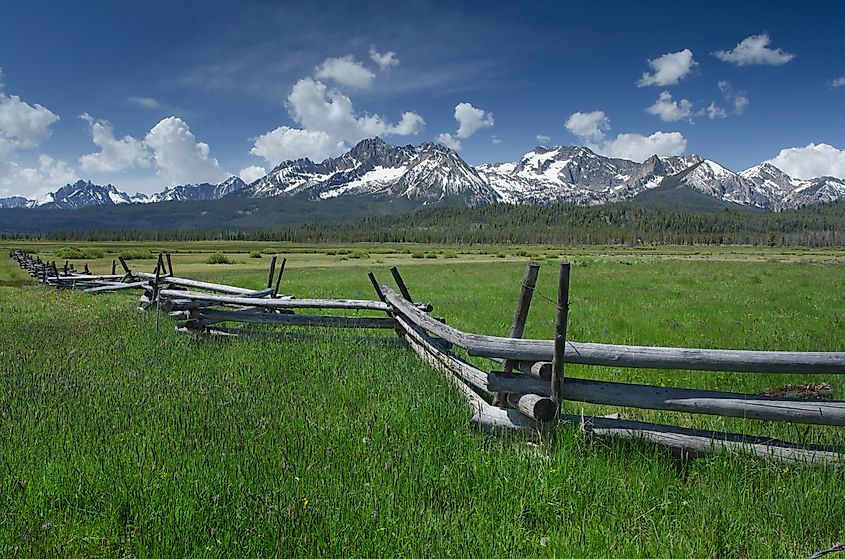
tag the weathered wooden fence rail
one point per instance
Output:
(525, 392)
(531, 382)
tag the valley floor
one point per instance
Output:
(120, 437)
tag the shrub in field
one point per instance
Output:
(255, 254)
(218, 258)
(418, 255)
(268, 251)
(431, 255)
(69, 253)
(137, 254)
(501, 255)
(359, 254)
(330, 252)
(450, 254)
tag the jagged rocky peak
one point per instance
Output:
(13, 202)
(379, 153)
(198, 192)
(82, 194)
(427, 173)
(768, 172)
(438, 173)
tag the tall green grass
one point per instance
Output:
(119, 437)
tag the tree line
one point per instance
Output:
(559, 224)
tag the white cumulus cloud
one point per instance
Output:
(345, 71)
(23, 125)
(329, 122)
(285, 143)
(838, 82)
(588, 126)
(317, 108)
(669, 69)
(252, 173)
(590, 129)
(384, 60)
(543, 139)
(755, 50)
(116, 154)
(669, 110)
(35, 181)
(179, 157)
(811, 161)
(638, 147)
(449, 141)
(471, 119)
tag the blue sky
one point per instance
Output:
(146, 95)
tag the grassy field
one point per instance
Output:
(121, 438)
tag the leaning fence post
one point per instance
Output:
(113, 267)
(272, 272)
(529, 281)
(560, 334)
(403, 289)
(169, 264)
(158, 270)
(279, 277)
(376, 287)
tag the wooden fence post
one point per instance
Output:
(113, 267)
(376, 286)
(529, 281)
(158, 270)
(272, 272)
(279, 278)
(169, 264)
(560, 334)
(403, 289)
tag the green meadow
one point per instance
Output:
(121, 438)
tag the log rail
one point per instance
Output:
(524, 395)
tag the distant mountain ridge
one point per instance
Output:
(429, 173)
(85, 194)
(432, 174)
(578, 175)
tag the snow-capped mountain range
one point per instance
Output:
(190, 192)
(83, 194)
(432, 173)
(427, 173)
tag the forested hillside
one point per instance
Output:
(627, 223)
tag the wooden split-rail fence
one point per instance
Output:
(525, 391)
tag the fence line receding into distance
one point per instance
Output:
(525, 391)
